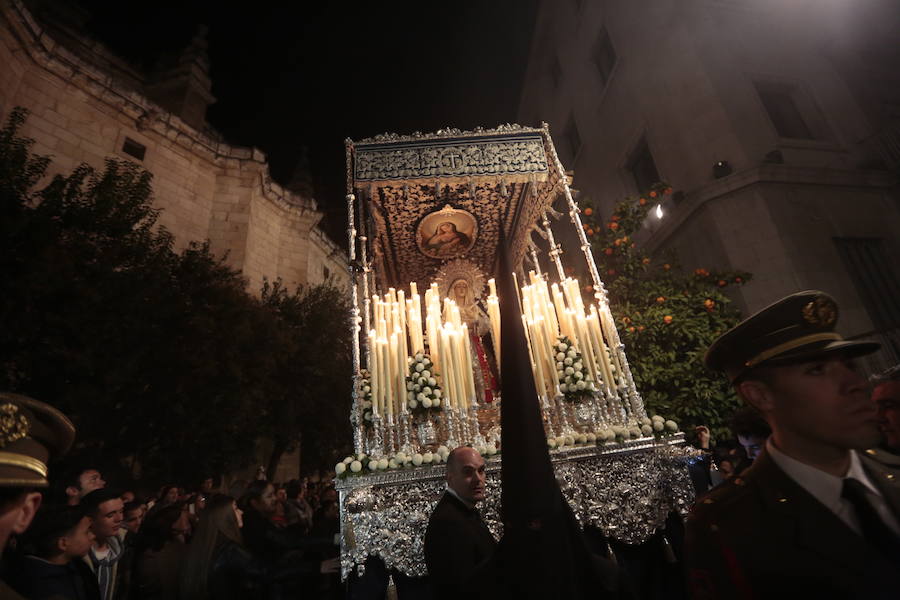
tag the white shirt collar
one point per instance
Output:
(826, 488)
(458, 497)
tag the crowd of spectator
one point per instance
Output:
(251, 540)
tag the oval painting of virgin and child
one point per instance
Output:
(446, 233)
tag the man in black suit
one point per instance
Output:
(813, 517)
(458, 545)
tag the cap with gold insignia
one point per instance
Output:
(31, 433)
(794, 328)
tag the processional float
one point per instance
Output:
(427, 213)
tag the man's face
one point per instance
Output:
(133, 519)
(79, 540)
(889, 413)
(108, 519)
(752, 445)
(467, 475)
(824, 402)
(89, 481)
(266, 502)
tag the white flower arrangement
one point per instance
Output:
(657, 427)
(365, 397)
(574, 379)
(362, 464)
(423, 394)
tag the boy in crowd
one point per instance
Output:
(55, 544)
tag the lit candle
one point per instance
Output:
(374, 379)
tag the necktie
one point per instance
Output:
(874, 530)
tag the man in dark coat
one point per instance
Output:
(458, 546)
(813, 517)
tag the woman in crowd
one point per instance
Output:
(218, 567)
(159, 552)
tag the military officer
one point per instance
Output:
(814, 517)
(31, 432)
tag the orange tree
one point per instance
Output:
(667, 317)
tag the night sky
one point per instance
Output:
(289, 75)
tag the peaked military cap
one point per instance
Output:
(31, 433)
(797, 327)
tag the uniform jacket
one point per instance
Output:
(762, 536)
(458, 550)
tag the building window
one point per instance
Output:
(133, 148)
(556, 73)
(572, 139)
(604, 56)
(780, 102)
(643, 167)
(874, 277)
(326, 273)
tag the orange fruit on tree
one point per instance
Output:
(667, 319)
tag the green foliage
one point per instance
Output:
(163, 359)
(667, 318)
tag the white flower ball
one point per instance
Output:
(409, 385)
(657, 418)
(491, 449)
(560, 356)
(580, 438)
(356, 466)
(417, 459)
(562, 346)
(480, 450)
(426, 403)
(609, 435)
(348, 460)
(383, 464)
(420, 397)
(427, 458)
(571, 354)
(619, 430)
(646, 430)
(432, 381)
(634, 432)
(360, 456)
(559, 366)
(340, 468)
(366, 389)
(426, 374)
(416, 389)
(658, 425)
(410, 396)
(570, 440)
(420, 367)
(646, 421)
(438, 393)
(412, 404)
(422, 381)
(579, 375)
(569, 370)
(671, 425)
(373, 465)
(400, 457)
(591, 436)
(568, 362)
(426, 361)
(419, 357)
(580, 385)
(392, 464)
(436, 401)
(578, 366)
(563, 388)
(551, 442)
(426, 390)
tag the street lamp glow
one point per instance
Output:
(659, 211)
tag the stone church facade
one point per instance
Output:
(86, 105)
